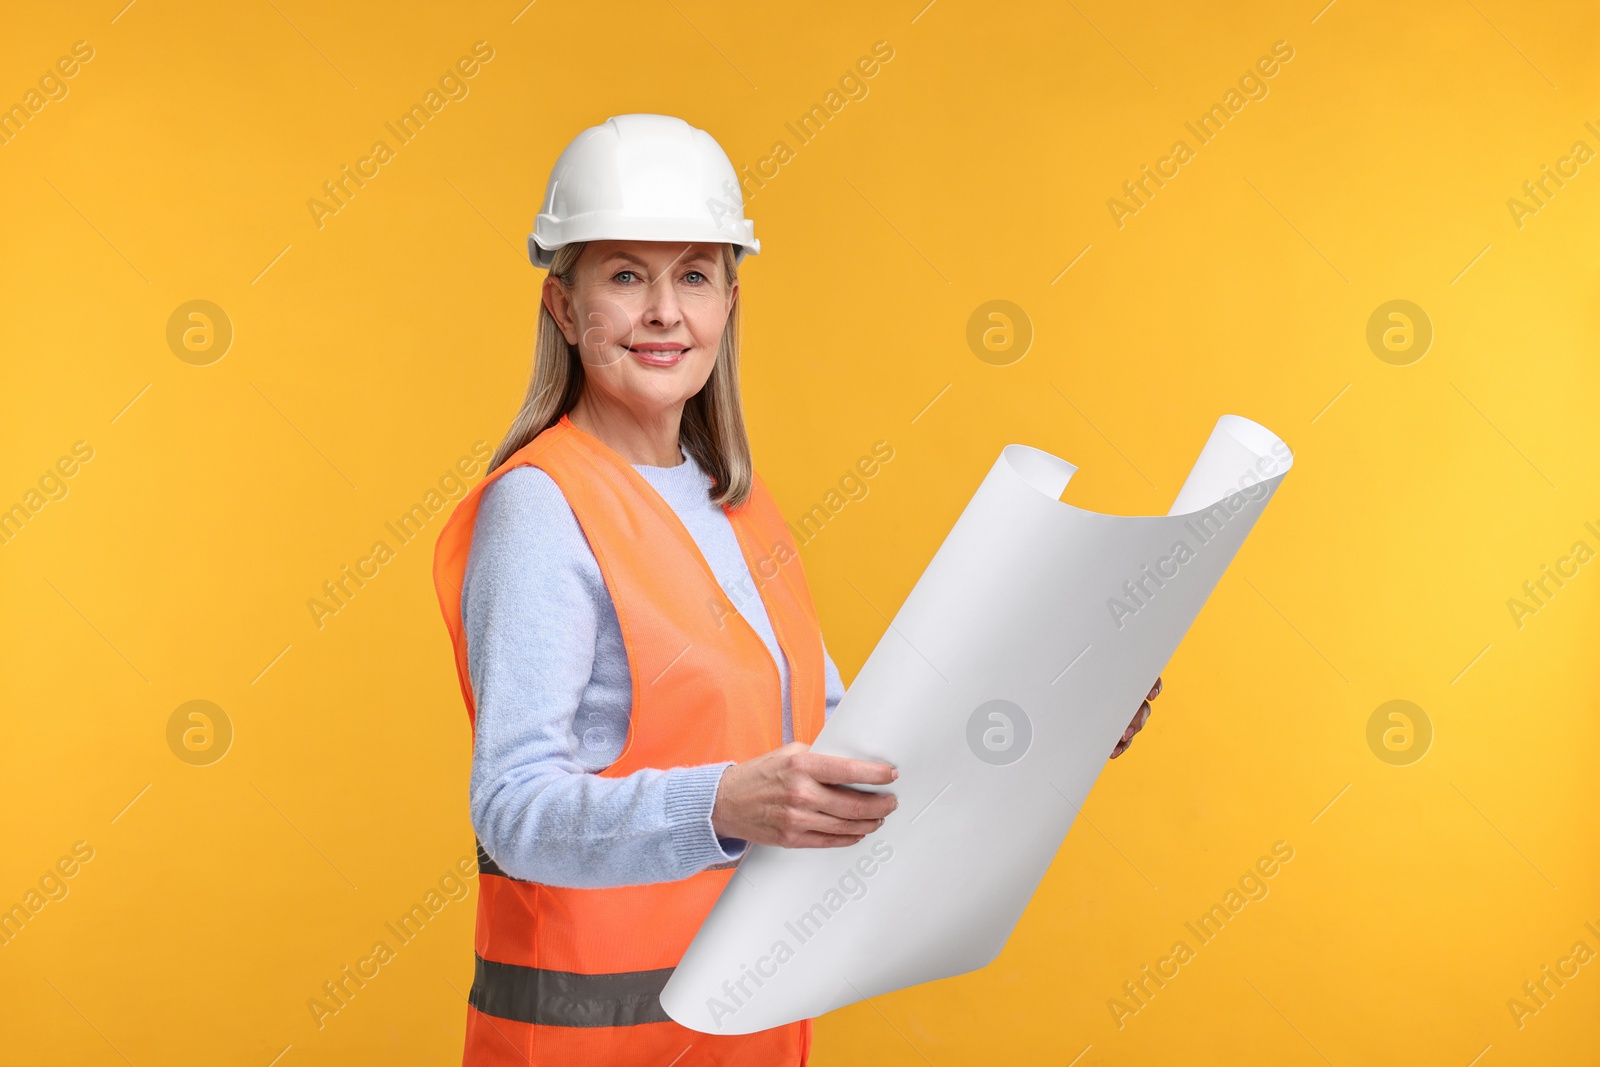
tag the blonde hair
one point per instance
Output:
(712, 429)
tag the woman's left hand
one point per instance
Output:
(1139, 719)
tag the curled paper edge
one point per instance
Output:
(896, 710)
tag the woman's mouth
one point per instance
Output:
(658, 354)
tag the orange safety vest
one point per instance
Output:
(573, 976)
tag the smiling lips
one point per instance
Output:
(658, 353)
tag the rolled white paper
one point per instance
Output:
(999, 691)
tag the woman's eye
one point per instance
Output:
(693, 275)
(620, 273)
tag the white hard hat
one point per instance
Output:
(642, 178)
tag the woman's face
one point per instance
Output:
(647, 317)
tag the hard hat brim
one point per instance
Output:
(551, 233)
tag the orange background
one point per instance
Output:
(371, 353)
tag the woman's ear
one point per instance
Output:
(558, 301)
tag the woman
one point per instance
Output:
(634, 636)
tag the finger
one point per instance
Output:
(841, 770)
(844, 803)
(1155, 690)
(819, 822)
(1121, 745)
(1135, 720)
(812, 839)
(1140, 717)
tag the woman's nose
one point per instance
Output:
(662, 307)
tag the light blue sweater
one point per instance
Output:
(550, 676)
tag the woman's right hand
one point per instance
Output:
(797, 798)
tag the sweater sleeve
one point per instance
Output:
(533, 600)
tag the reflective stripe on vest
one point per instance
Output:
(564, 998)
(567, 974)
